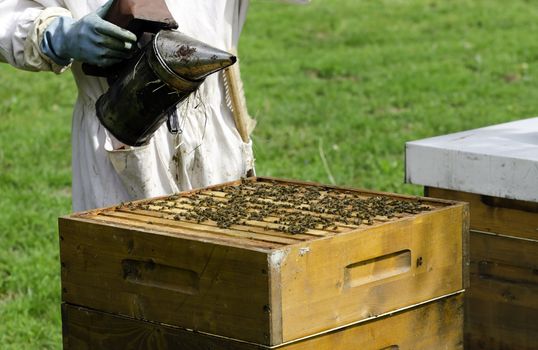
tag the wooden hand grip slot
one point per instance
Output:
(377, 269)
(150, 274)
(392, 347)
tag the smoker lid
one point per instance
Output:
(190, 58)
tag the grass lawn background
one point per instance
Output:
(347, 80)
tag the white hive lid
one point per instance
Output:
(499, 160)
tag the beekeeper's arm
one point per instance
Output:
(22, 24)
(37, 36)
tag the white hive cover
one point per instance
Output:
(499, 160)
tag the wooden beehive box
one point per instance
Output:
(502, 301)
(495, 170)
(264, 261)
(433, 325)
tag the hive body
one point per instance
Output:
(284, 268)
(435, 325)
(501, 304)
(495, 170)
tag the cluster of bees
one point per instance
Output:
(288, 208)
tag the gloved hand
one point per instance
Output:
(90, 40)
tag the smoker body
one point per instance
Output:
(149, 88)
(140, 100)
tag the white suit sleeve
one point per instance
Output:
(22, 24)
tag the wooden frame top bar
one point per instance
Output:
(166, 215)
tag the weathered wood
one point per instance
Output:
(263, 287)
(214, 288)
(497, 215)
(436, 325)
(466, 242)
(86, 329)
(502, 303)
(337, 280)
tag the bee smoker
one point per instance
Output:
(145, 90)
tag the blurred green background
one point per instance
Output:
(337, 87)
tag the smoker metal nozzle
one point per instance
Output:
(189, 58)
(152, 85)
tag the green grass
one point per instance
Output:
(35, 180)
(361, 77)
(351, 80)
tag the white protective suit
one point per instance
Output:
(209, 150)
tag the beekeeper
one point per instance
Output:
(53, 35)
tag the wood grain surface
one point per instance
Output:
(337, 280)
(437, 325)
(502, 303)
(496, 215)
(254, 283)
(158, 277)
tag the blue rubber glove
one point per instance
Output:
(90, 40)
